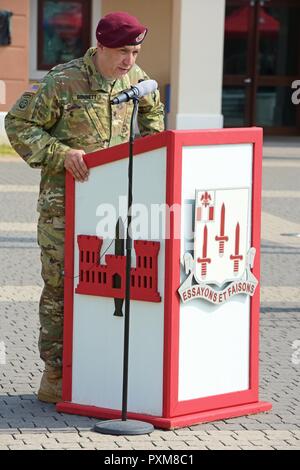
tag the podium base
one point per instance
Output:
(118, 427)
(168, 423)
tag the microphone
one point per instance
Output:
(136, 91)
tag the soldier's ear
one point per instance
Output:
(99, 46)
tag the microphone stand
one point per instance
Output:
(124, 426)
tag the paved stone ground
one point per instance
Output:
(26, 423)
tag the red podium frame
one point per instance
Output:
(175, 413)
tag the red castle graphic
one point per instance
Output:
(102, 279)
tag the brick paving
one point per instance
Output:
(26, 423)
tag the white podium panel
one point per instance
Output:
(98, 334)
(217, 335)
(194, 310)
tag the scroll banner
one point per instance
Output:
(218, 296)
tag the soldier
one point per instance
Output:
(52, 126)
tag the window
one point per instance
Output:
(63, 31)
(35, 72)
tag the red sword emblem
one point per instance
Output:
(222, 238)
(204, 260)
(236, 257)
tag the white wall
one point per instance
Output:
(197, 64)
(3, 136)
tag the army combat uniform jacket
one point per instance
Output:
(70, 108)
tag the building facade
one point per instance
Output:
(229, 63)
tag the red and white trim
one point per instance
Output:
(175, 413)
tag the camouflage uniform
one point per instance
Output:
(69, 108)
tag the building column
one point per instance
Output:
(96, 16)
(197, 64)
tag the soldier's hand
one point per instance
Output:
(74, 163)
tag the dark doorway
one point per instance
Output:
(116, 281)
(261, 62)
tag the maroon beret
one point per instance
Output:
(120, 29)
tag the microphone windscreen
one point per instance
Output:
(146, 87)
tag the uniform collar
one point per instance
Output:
(97, 81)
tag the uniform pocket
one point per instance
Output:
(121, 118)
(51, 232)
(100, 118)
(76, 120)
(125, 130)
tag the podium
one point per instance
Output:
(194, 321)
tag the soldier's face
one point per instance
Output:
(115, 63)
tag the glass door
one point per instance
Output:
(261, 61)
(238, 62)
(278, 66)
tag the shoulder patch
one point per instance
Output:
(25, 101)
